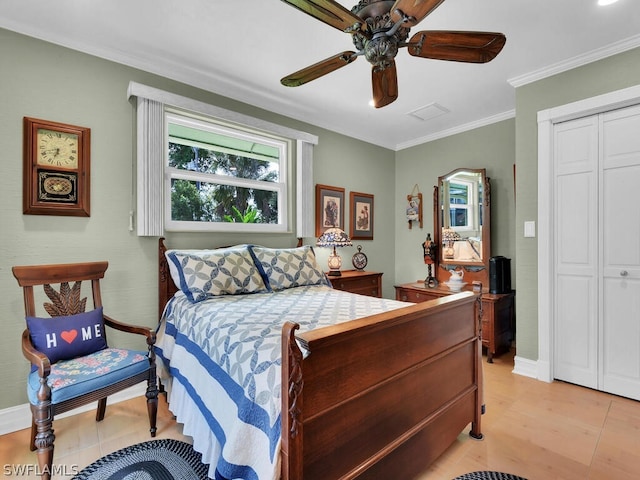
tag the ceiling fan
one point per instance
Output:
(379, 28)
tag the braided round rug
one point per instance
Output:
(164, 459)
(486, 475)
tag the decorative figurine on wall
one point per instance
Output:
(430, 252)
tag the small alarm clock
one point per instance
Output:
(359, 259)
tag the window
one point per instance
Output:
(222, 178)
(459, 205)
(196, 162)
(463, 198)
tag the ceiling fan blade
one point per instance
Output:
(331, 13)
(385, 84)
(417, 9)
(472, 47)
(318, 69)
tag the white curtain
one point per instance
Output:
(150, 145)
(305, 211)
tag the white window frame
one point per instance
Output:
(470, 206)
(150, 157)
(281, 187)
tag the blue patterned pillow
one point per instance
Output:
(67, 337)
(288, 267)
(224, 271)
(174, 271)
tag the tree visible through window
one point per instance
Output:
(217, 175)
(459, 204)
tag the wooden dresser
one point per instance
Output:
(498, 313)
(356, 281)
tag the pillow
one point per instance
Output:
(288, 267)
(224, 271)
(67, 337)
(174, 270)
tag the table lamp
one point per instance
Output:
(334, 237)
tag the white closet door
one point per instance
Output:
(576, 251)
(620, 237)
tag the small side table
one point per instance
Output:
(357, 281)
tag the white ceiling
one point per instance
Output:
(241, 49)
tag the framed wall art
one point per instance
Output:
(330, 207)
(361, 216)
(55, 168)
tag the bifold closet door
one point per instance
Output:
(620, 236)
(597, 252)
(575, 250)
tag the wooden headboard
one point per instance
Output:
(166, 287)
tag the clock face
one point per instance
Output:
(57, 149)
(359, 259)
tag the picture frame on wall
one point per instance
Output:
(361, 216)
(330, 206)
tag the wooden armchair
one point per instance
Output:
(71, 362)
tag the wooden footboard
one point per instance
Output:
(380, 397)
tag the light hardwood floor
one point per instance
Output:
(533, 429)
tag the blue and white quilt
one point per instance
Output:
(223, 355)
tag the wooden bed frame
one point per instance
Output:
(378, 397)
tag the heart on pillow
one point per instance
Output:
(69, 336)
(66, 337)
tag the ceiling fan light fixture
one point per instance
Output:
(379, 28)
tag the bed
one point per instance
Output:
(325, 384)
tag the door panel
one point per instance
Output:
(620, 214)
(576, 337)
(621, 337)
(576, 252)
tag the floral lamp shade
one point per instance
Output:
(334, 237)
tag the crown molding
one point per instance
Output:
(483, 122)
(589, 57)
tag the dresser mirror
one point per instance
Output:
(462, 217)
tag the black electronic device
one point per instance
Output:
(499, 275)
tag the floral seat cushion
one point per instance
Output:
(71, 378)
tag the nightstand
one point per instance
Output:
(498, 312)
(356, 281)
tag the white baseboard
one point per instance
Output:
(525, 367)
(17, 418)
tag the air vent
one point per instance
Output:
(428, 112)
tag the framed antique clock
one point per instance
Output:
(56, 168)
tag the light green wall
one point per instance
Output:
(49, 82)
(490, 147)
(45, 81)
(497, 147)
(613, 73)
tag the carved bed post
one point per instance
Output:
(291, 395)
(476, 429)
